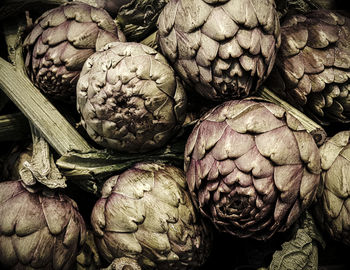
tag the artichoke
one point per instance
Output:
(38, 230)
(312, 68)
(223, 49)
(112, 6)
(138, 18)
(333, 204)
(251, 168)
(146, 214)
(60, 42)
(129, 98)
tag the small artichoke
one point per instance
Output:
(112, 6)
(312, 68)
(333, 204)
(38, 230)
(129, 98)
(137, 18)
(60, 42)
(224, 49)
(146, 213)
(251, 167)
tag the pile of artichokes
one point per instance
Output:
(156, 142)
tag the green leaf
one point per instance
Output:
(301, 252)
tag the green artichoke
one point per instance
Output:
(38, 230)
(60, 42)
(129, 98)
(137, 18)
(112, 6)
(223, 49)
(251, 168)
(333, 204)
(312, 68)
(146, 213)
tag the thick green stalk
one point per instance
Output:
(44, 116)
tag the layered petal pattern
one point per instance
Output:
(223, 49)
(129, 98)
(146, 213)
(333, 204)
(251, 167)
(60, 42)
(312, 69)
(38, 230)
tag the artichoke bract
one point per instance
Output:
(60, 42)
(312, 67)
(333, 205)
(146, 213)
(129, 98)
(251, 167)
(224, 49)
(38, 230)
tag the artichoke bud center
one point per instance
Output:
(238, 203)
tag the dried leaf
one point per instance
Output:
(301, 252)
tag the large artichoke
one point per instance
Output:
(333, 205)
(223, 48)
(129, 98)
(60, 42)
(38, 230)
(146, 213)
(251, 167)
(312, 68)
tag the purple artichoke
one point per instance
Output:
(60, 42)
(38, 230)
(312, 68)
(251, 167)
(129, 98)
(222, 48)
(146, 213)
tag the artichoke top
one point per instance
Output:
(146, 213)
(60, 42)
(223, 49)
(140, 16)
(129, 98)
(312, 69)
(251, 167)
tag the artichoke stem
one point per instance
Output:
(42, 167)
(13, 127)
(51, 124)
(318, 133)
